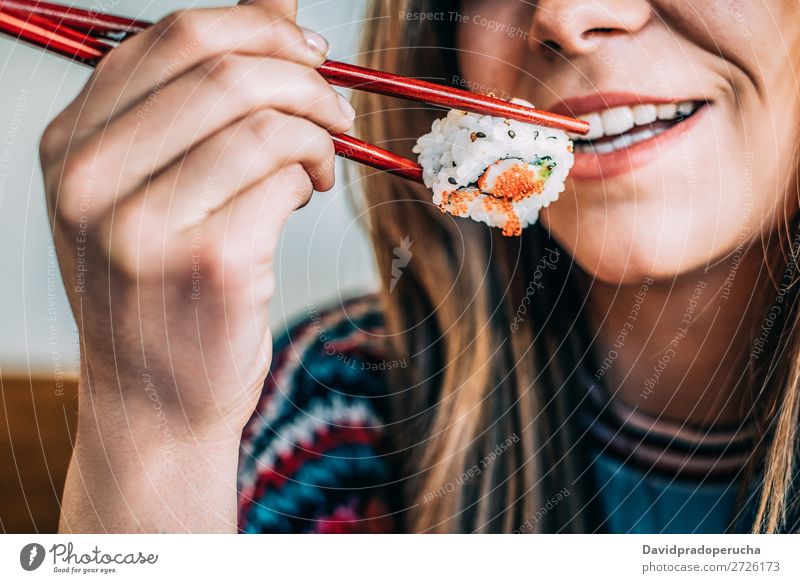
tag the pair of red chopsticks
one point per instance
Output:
(86, 36)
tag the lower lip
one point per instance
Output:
(590, 166)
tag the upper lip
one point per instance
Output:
(575, 106)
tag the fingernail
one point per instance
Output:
(346, 108)
(315, 42)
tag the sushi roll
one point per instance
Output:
(494, 170)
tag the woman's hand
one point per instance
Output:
(169, 179)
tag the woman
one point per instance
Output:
(630, 364)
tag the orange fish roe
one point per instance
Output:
(516, 183)
(458, 201)
(512, 228)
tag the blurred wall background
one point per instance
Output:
(323, 254)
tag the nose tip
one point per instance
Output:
(576, 27)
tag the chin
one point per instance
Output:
(640, 225)
(626, 268)
(616, 249)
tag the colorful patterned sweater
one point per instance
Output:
(312, 456)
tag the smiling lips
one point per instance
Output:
(626, 131)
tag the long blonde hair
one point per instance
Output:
(491, 357)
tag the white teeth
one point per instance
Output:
(633, 138)
(620, 142)
(685, 108)
(617, 120)
(595, 126)
(666, 110)
(623, 141)
(644, 114)
(605, 148)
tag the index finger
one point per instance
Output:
(142, 65)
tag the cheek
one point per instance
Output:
(697, 204)
(492, 40)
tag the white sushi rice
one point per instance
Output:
(453, 159)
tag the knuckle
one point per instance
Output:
(323, 90)
(263, 126)
(181, 26)
(76, 175)
(186, 29)
(321, 146)
(51, 143)
(116, 247)
(67, 213)
(310, 82)
(75, 187)
(224, 72)
(228, 263)
(129, 240)
(330, 110)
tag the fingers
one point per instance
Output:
(144, 64)
(223, 250)
(145, 141)
(254, 220)
(233, 161)
(213, 175)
